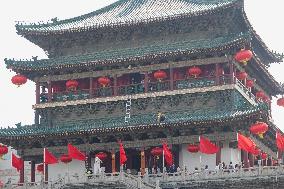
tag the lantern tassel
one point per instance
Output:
(260, 135)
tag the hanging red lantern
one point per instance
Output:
(3, 150)
(19, 80)
(280, 102)
(242, 75)
(194, 71)
(266, 99)
(160, 75)
(243, 56)
(101, 155)
(72, 85)
(259, 128)
(249, 83)
(39, 167)
(104, 81)
(263, 155)
(259, 95)
(192, 148)
(65, 158)
(157, 151)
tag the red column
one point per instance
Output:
(171, 78)
(146, 82)
(218, 154)
(49, 95)
(217, 77)
(232, 74)
(22, 175)
(115, 85)
(245, 159)
(37, 93)
(91, 92)
(32, 171)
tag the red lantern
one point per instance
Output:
(243, 56)
(266, 99)
(39, 167)
(3, 150)
(263, 155)
(101, 155)
(104, 81)
(157, 151)
(192, 148)
(160, 75)
(19, 80)
(280, 102)
(259, 128)
(71, 85)
(249, 83)
(65, 158)
(259, 95)
(194, 71)
(242, 75)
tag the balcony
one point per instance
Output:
(138, 88)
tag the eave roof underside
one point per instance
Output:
(129, 12)
(132, 54)
(137, 122)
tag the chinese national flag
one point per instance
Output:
(18, 163)
(246, 144)
(48, 157)
(280, 141)
(122, 154)
(168, 154)
(207, 147)
(75, 153)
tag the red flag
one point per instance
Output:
(18, 163)
(280, 141)
(207, 147)
(246, 144)
(122, 154)
(168, 154)
(49, 158)
(74, 153)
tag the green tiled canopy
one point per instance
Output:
(131, 11)
(136, 120)
(186, 46)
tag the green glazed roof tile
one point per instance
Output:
(129, 53)
(130, 11)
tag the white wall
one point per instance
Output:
(192, 160)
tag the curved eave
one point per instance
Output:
(21, 66)
(270, 56)
(44, 29)
(30, 133)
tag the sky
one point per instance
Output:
(16, 103)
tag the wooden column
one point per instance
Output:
(218, 154)
(251, 160)
(32, 171)
(217, 76)
(91, 90)
(49, 89)
(115, 85)
(37, 93)
(22, 175)
(171, 77)
(143, 164)
(146, 82)
(245, 159)
(45, 173)
(113, 161)
(232, 74)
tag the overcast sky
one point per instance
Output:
(16, 103)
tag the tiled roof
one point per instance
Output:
(138, 121)
(132, 54)
(131, 11)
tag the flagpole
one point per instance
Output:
(163, 160)
(43, 165)
(200, 156)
